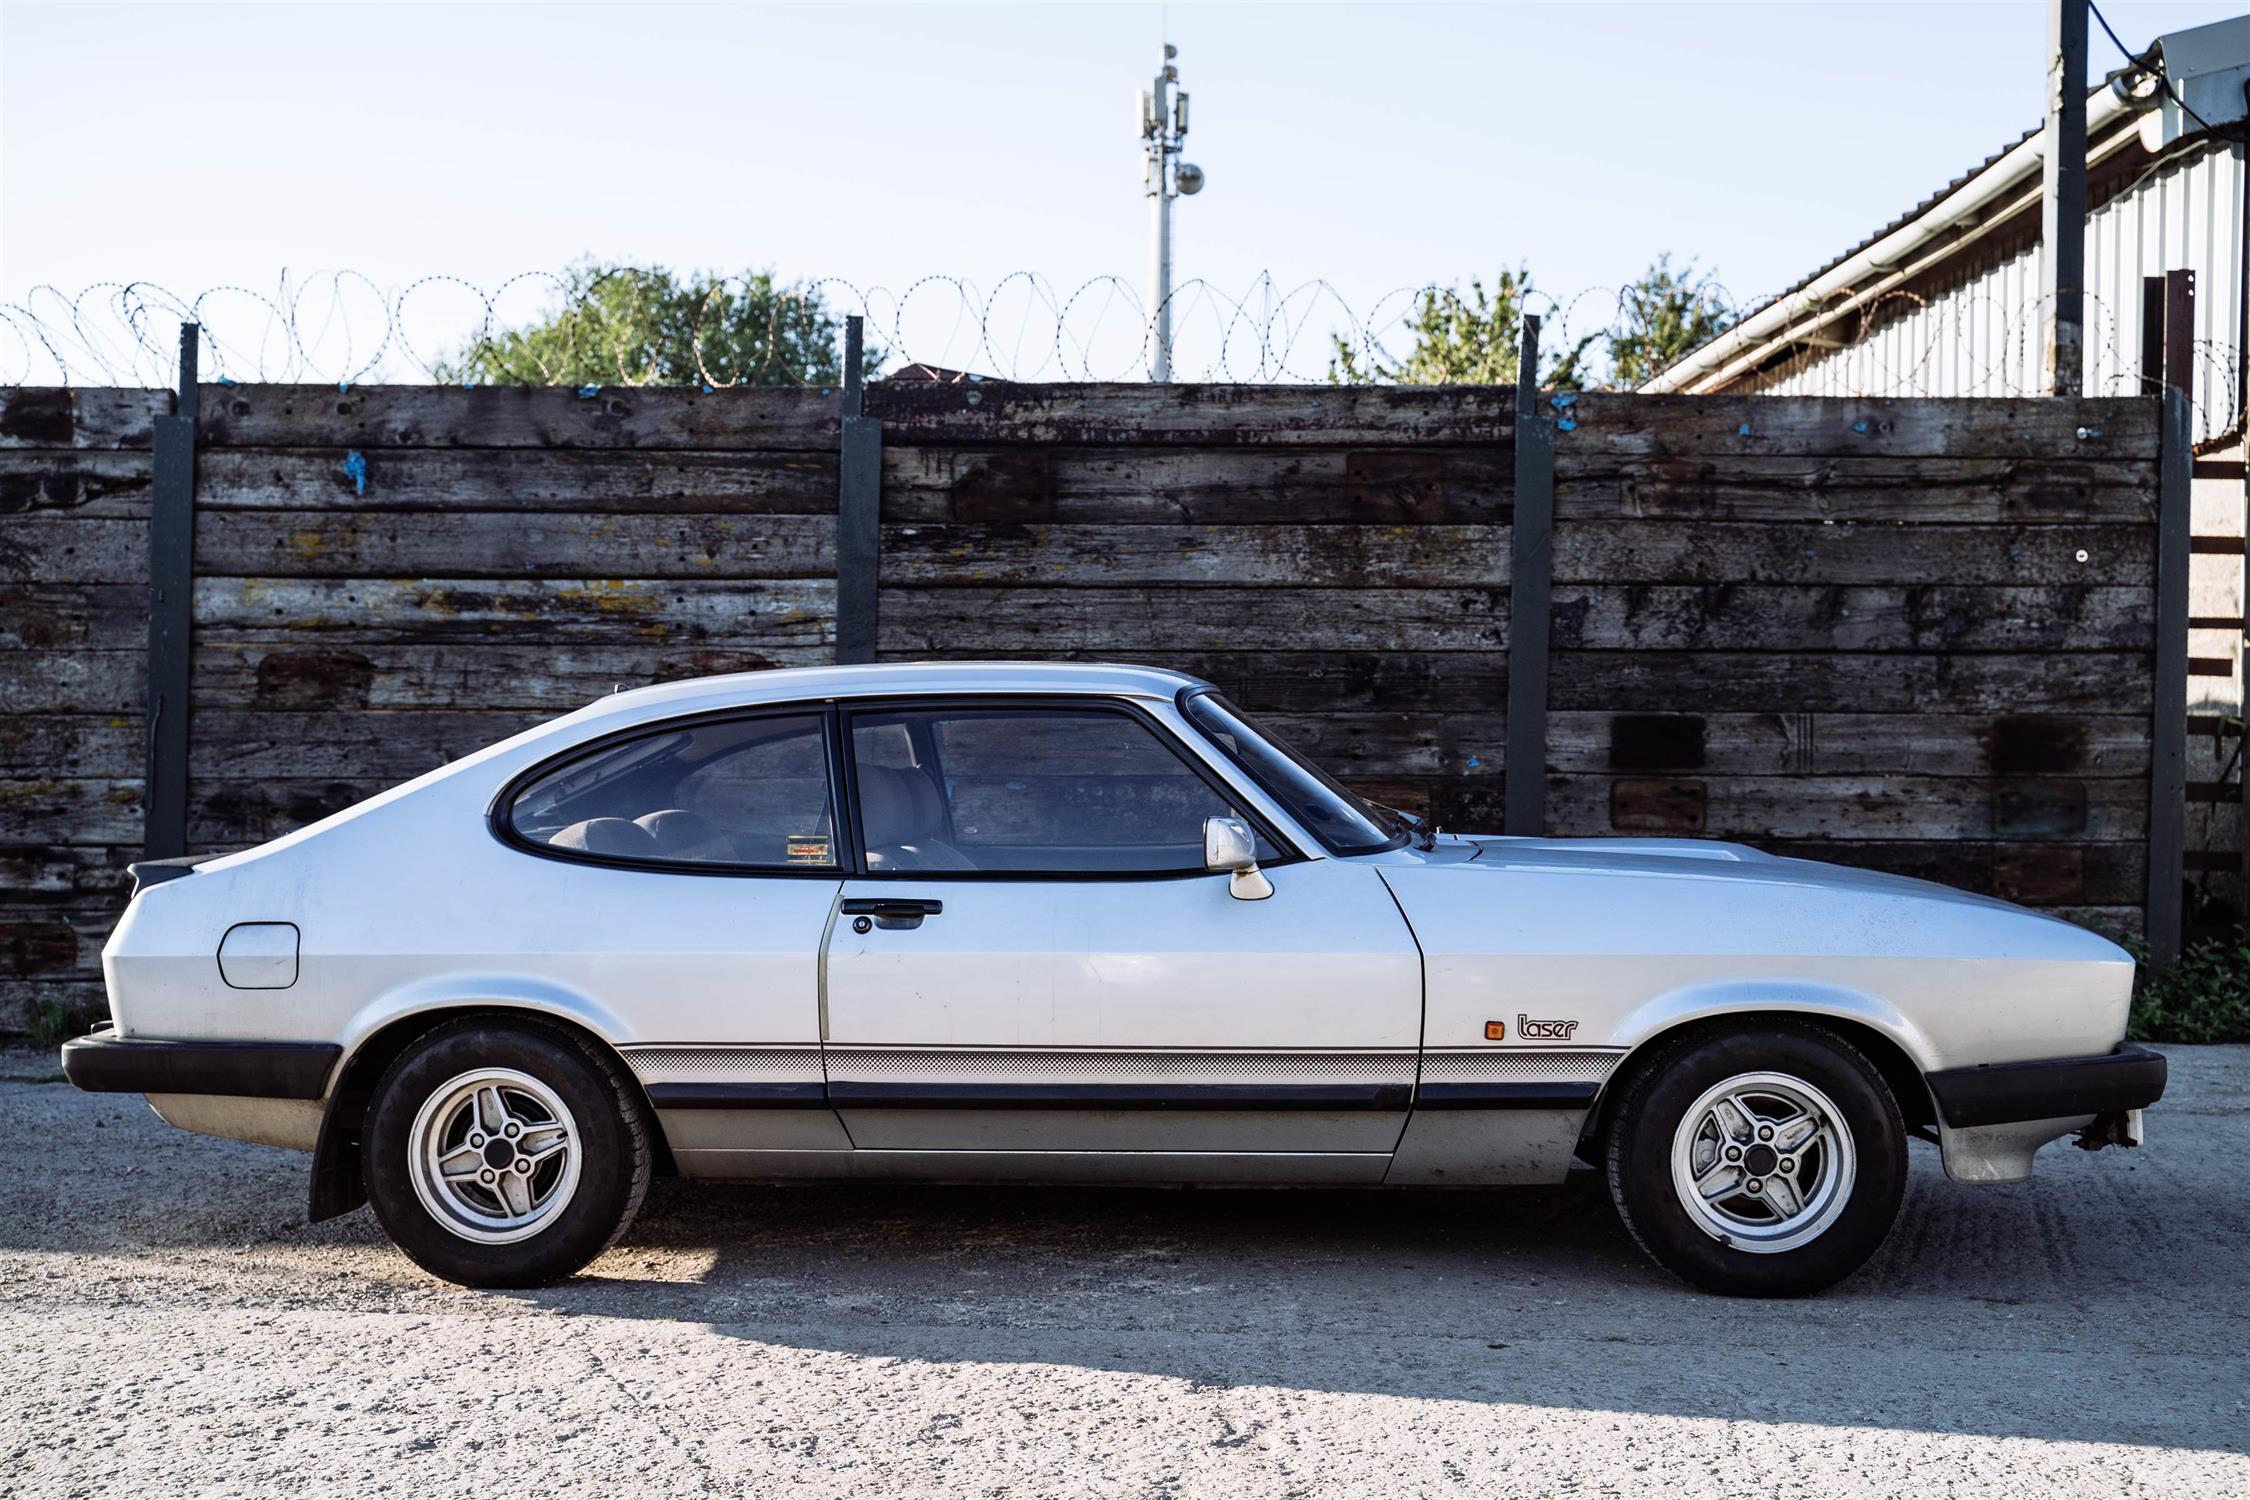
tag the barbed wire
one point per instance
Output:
(342, 327)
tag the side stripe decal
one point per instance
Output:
(680, 1076)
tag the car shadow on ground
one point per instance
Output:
(2029, 1311)
(1980, 1311)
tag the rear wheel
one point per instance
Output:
(505, 1153)
(1763, 1163)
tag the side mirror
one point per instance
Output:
(1229, 845)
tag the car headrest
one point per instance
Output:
(897, 807)
(615, 837)
(681, 834)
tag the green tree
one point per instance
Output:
(1472, 340)
(1662, 317)
(1476, 339)
(615, 325)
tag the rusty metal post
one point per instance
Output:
(2062, 202)
(171, 601)
(858, 513)
(1530, 586)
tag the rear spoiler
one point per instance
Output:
(148, 872)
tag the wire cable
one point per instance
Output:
(2140, 58)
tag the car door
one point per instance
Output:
(1034, 960)
(689, 868)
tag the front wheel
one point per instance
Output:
(505, 1153)
(1765, 1163)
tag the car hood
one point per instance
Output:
(1693, 895)
(1703, 860)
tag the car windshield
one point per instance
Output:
(1344, 821)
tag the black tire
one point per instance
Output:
(1659, 1096)
(612, 1145)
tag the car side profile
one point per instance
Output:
(1035, 922)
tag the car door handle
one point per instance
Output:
(891, 906)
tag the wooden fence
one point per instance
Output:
(1916, 635)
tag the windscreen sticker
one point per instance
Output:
(808, 849)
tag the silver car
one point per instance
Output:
(1071, 923)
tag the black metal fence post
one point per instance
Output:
(2167, 796)
(858, 513)
(171, 603)
(1530, 576)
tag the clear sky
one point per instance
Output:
(1372, 147)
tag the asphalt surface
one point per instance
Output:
(169, 1325)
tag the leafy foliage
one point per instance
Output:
(1462, 340)
(2203, 997)
(1475, 339)
(53, 1023)
(614, 325)
(1661, 318)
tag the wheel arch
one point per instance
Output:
(337, 1185)
(1901, 1074)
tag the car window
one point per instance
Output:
(1028, 790)
(1340, 818)
(751, 791)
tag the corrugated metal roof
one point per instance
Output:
(1893, 227)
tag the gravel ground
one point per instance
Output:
(170, 1325)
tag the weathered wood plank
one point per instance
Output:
(2102, 682)
(1458, 804)
(1851, 807)
(2037, 874)
(228, 813)
(1956, 427)
(1444, 740)
(88, 482)
(1728, 617)
(1449, 740)
(659, 613)
(990, 411)
(46, 548)
(65, 811)
(551, 677)
(1176, 616)
(76, 681)
(63, 617)
(412, 416)
(490, 544)
(1623, 551)
(1597, 485)
(59, 876)
(316, 544)
(1340, 557)
(75, 745)
(1135, 621)
(58, 952)
(574, 481)
(1213, 487)
(1848, 744)
(345, 743)
(50, 416)
(1308, 681)
(2120, 924)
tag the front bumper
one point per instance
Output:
(2130, 1077)
(102, 1062)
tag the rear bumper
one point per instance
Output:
(2130, 1077)
(102, 1062)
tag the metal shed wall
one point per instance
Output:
(1982, 338)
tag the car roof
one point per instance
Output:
(792, 684)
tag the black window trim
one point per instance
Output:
(842, 867)
(1193, 691)
(893, 703)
